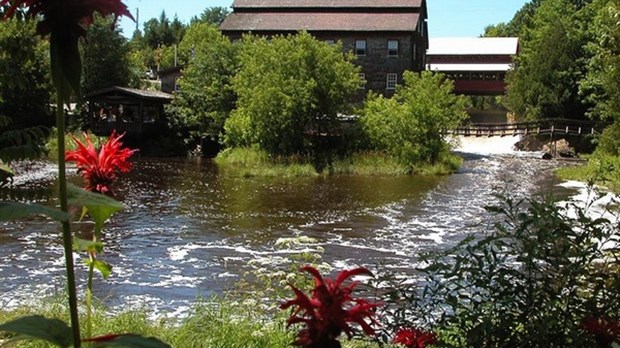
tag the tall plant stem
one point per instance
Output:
(66, 227)
(89, 295)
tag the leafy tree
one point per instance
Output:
(517, 27)
(163, 32)
(601, 86)
(290, 91)
(411, 125)
(212, 15)
(206, 97)
(107, 58)
(544, 83)
(25, 87)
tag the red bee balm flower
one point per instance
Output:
(69, 14)
(414, 338)
(101, 168)
(604, 330)
(329, 311)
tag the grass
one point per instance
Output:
(251, 162)
(52, 143)
(216, 323)
(601, 169)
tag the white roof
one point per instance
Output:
(469, 67)
(473, 46)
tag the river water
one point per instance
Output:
(189, 231)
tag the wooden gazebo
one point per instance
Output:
(127, 110)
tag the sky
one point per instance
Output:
(446, 18)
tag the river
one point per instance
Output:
(190, 232)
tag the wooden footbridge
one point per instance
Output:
(551, 127)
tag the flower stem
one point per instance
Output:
(89, 296)
(66, 227)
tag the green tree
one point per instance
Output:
(544, 83)
(290, 88)
(411, 126)
(25, 88)
(212, 15)
(160, 31)
(518, 25)
(107, 58)
(601, 86)
(206, 97)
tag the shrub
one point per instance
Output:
(412, 125)
(533, 281)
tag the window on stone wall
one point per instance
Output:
(392, 50)
(360, 47)
(392, 80)
(362, 80)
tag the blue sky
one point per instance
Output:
(447, 18)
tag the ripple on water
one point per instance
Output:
(188, 232)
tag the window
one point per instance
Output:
(177, 85)
(362, 80)
(392, 79)
(330, 42)
(392, 50)
(360, 47)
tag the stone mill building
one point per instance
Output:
(387, 36)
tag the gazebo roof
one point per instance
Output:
(117, 91)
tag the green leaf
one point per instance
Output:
(37, 327)
(128, 341)
(99, 207)
(101, 266)
(14, 210)
(87, 245)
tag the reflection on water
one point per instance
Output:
(188, 231)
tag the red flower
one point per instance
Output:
(604, 330)
(414, 338)
(100, 169)
(330, 310)
(60, 15)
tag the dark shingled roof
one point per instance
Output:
(327, 3)
(312, 21)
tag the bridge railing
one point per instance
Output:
(542, 127)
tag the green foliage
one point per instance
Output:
(530, 282)
(251, 161)
(518, 25)
(206, 97)
(544, 83)
(601, 86)
(54, 331)
(25, 87)
(19, 144)
(291, 90)
(412, 125)
(160, 31)
(107, 59)
(212, 15)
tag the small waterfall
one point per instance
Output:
(491, 146)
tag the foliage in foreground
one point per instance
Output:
(545, 276)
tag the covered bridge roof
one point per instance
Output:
(319, 21)
(473, 46)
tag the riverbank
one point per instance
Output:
(602, 170)
(249, 162)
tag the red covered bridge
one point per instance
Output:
(478, 66)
